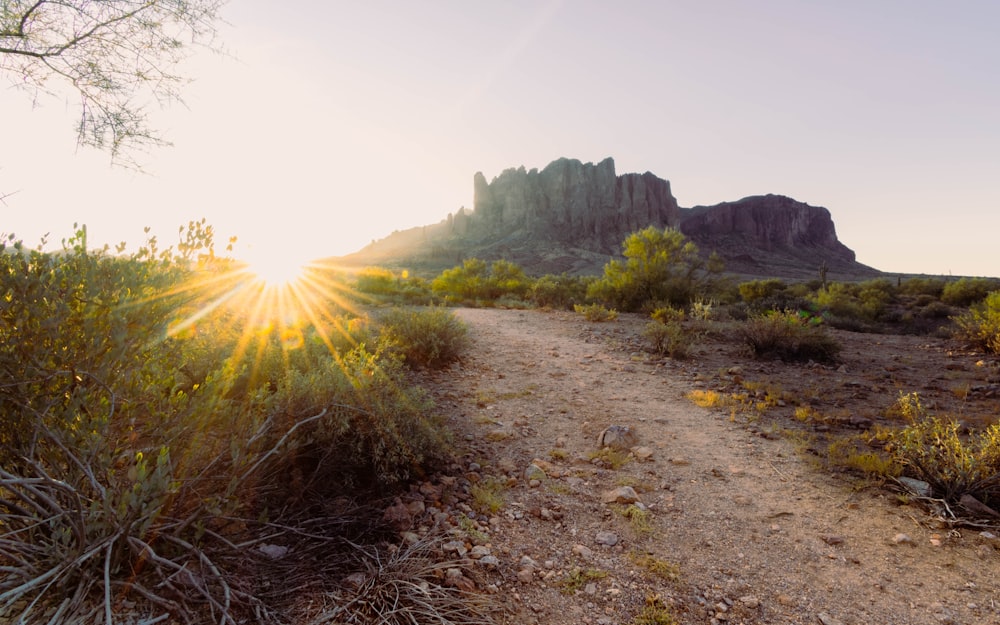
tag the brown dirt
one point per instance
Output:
(740, 502)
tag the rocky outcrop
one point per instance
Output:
(766, 230)
(569, 202)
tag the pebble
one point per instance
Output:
(622, 494)
(583, 551)
(607, 538)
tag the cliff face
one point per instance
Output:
(570, 202)
(764, 228)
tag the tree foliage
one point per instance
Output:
(119, 56)
(660, 267)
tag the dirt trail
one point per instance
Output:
(759, 534)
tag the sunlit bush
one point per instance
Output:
(425, 337)
(980, 326)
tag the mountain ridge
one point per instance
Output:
(572, 217)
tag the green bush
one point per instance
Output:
(760, 289)
(980, 326)
(475, 281)
(967, 291)
(935, 450)
(659, 266)
(667, 314)
(596, 312)
(561, 291)
(668, 338)
(931, 287)
(430, 337)
(788, 336)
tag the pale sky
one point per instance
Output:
(334, 123)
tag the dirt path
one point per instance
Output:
(757, 533)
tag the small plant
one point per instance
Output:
(667, 314)
(428, 337)
(848, 453)
(701, 310)
(980, 326)
(640, 519)
(475, 534)
(655, 612)
(934, 450)
(668, 339)
(577, 578)
(596, 312)
(655, 567)
(559, 454)
(612, 458)
(789, 336)
(487, 496)
(707, 399)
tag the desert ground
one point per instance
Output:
(736, 519)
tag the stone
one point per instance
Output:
(274, 552)
(833, 539)
(488, 561)
(583, 551)
(750, 602)
(526, 576)
(534, 472)
(642, 453)
(919, 488)
(479, 552)
(826, 619)
(622, 495)
(619, 437)
(455, 546)
(604, 537)
(976, 507)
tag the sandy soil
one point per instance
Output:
(757, 530)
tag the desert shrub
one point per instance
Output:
(476, 281)
(427, 337)
(375, 281)
(980, 326)
(935, 310)
(788, 336)
(464, 283)
(967, 291)
(559, 291)
(668, 339)
(596, 312)
(667, 314)
(930, 287)
(760, 289)
(659, 266)
(934, 450)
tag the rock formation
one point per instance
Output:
(573, 216)
(570, 202)
(768, 230)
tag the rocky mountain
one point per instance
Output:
(573, 216)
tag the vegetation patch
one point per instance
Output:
(789, 336)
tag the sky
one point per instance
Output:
(328, 124)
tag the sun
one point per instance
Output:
(275, 268)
